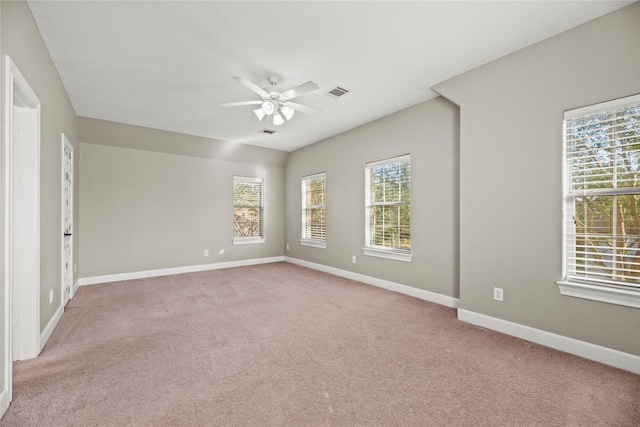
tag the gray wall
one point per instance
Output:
(146, 210)
(22, 42)
(429, 132)
(511, 113)
(128, 136)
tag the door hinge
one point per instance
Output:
(15, 321)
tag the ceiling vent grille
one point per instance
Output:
(338, 91)
(268, 131)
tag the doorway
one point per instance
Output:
(67, 221)
(20, 226)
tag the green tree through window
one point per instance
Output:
(388, 205)
(602, 155)
(314, 212)
(248, 207)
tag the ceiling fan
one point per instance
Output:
(275, 103)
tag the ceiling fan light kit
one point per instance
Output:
(274, 103)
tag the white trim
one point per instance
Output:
(7, 355)
(4, 401)
(176, 270)
(66, 144)
(380, 283)
(315, 175)
(397, 159)
(30, 322)
(608, 294)
(603, 106)
(76, 286)
(247, 240)
(388, 254)
(314, 243)
(618, 359)
(48, 330)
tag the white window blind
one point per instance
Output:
(314, 210)
(602, 173)
(248, 202)
(388, 208)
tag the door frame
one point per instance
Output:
(18, 92)
(66, 144)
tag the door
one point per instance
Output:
(15, 271)
(67, 220)
(20, 284)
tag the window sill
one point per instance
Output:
(381, 253)
(606, 294)
(247, 240)
(314, 243)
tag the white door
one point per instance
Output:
(16, 254)
(22, 206)
(67, 220)
(20, 176)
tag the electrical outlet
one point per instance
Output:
(221, 252)
(287, 246)
(206, 252)
(353, 259)
(498, 294)
(50, 296)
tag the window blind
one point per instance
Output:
(388, 205)
(602, 173)
(314, 212)
(248, 207)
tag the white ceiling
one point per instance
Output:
(169, 64)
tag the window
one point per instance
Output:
(248, 210)
(314, 211)
(388, 209)
(601, 202)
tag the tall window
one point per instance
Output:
(314, 210)
(388, 208)
(248, 209)
(601, 195)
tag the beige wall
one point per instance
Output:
(127, 136)
(146, 210)
(511, 113)
(429, 132)
(22, 42)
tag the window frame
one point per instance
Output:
(381, 251)
(249, 240)
(305, 225)
(603, 290)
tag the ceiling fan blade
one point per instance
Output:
(254, 87)
(237, 104)
(302, 108)
(300, 90)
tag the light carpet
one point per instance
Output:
(283, 345)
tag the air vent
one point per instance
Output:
(338, 91)
(268, 131)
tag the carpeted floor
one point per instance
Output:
(278, 344)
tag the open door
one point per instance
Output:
(20, 284)
(67, 221)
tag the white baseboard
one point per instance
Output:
(392, 286)
(4, 401)
(618, 359)
(177, 270)
(48, 330)
(74, 289)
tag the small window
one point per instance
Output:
(248, 210)
(388, 208)
(314, 211)
(601, 202)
